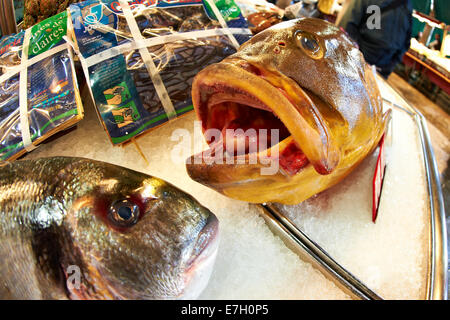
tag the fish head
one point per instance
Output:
(305, 81)
(135, 236)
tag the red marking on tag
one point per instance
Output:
(378, 178)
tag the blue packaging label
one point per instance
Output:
(123, 91)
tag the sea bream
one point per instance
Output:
(304, 78)
(73, 228)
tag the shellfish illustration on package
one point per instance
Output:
(38, 88)
(140, 57)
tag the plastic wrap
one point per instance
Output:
(140, 60)
(51, 97)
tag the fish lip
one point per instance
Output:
(297, 111)
(264, 153)
(206, 240)
(200, 266)
(237, 62)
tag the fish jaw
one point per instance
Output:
(269, 90)
(308, 145)
(200, 269)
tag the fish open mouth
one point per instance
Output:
(254, 110)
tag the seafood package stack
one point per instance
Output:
(38, 88)
(140, 57)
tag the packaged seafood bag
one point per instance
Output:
(140, 57)
(38, 88)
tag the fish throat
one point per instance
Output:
(238, 123)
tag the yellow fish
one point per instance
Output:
(306, 79)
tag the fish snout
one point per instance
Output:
(206, 242)
(200, 266)
(208, 235)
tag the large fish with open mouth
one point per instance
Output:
(306, 79)
(73, 228)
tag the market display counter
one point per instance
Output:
(401, 256)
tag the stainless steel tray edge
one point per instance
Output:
(437, 280)
(438, 277)
(309, 251)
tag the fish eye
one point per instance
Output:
(124, 213)
(309, 44)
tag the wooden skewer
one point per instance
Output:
(139, 150)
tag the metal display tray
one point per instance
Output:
(305, 247)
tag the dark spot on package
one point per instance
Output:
(140, 59)
(260, 21)
(51, 100)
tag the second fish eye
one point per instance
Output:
(124, 212)
(309, 44)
